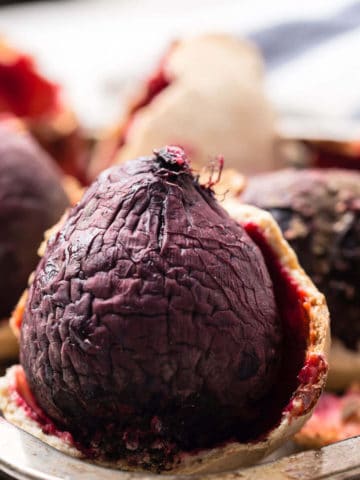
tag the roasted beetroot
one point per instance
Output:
(31, 200)
(319, 214)
(163, 313)
(157, 328)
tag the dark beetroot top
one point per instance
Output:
(319, 214)
(31, 200)
(151, 325)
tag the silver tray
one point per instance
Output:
(23, 457)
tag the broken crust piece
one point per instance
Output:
(205, 96)
(335, 418)
(19, 408)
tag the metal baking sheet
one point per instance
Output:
(23, 457)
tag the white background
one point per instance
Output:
(98, 48)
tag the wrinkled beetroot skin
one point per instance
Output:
(31, 200)
(151, 325)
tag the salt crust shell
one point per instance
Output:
(215, 103)
(233, 455)
(223, 89)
